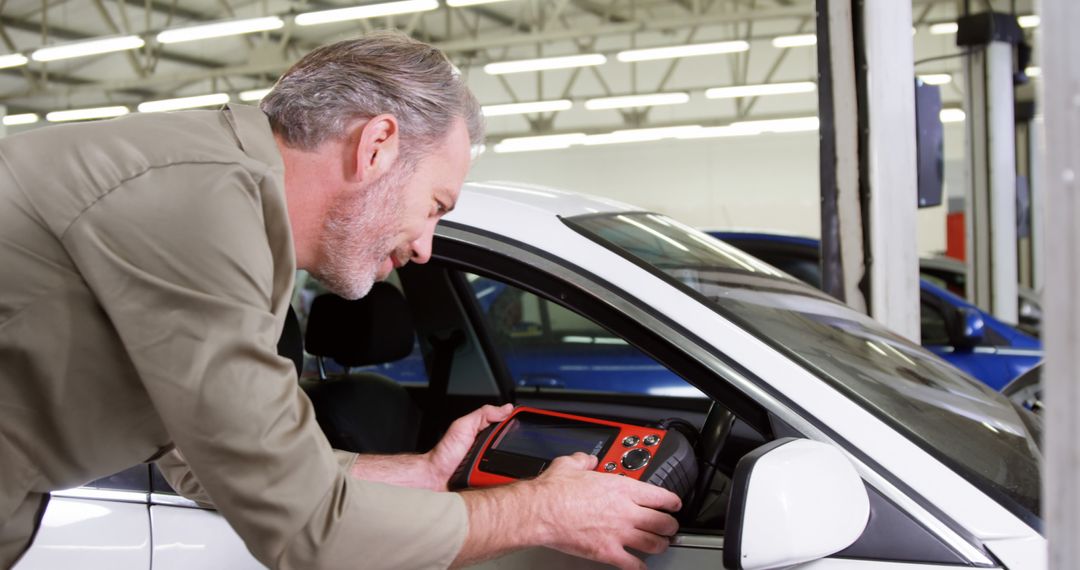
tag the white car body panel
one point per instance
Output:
(197, 538)
(90, 534)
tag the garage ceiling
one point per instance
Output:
(473, 36)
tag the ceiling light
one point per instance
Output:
(796, 125)
(759, 90)
(952, 115)
(84, 114)
(254, 94)
(944, 28)
(220, 29)
(936, 78)
(525, 108)
(1029, 21)
(548, 142)
(800, 40)
(650, 100)
(22, 119)
(564, 62)
(12, 60)
(690, 50)
(92, 47)
(718, 132)
(363, 12)
(183, 103)
(460, 3)
(640, 135)
(1033, 71)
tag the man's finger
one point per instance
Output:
(647, 542)
(492, 414)
(658, 498)
(623, 560)
(578, 461)
(656, 522)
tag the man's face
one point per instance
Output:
(391, 222)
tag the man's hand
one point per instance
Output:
(574, 509)
(451, 450)
(433, 469)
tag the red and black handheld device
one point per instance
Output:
(524, 444)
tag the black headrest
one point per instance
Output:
(372, 330)
(291, 343)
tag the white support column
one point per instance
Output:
(1061, 324)
(893, 202)
(3, 127)
(869, 183)
(1037, 187)
(990, 209)
(843, 267)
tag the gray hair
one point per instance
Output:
(384, 72)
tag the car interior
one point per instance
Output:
(463, 348)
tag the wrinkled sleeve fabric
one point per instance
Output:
(180, 261)
(177, 473)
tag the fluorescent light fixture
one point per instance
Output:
(547, 142)
(689, 50)
(649, 100)
(796, 125)
(759, 90)
(640, 135)
(1029, 21)
(220, 29)
(720, 132)
(85, 114)
(525, 108)
(563, 62)
(12, 60)
(254, 94)
(183, 103)
(944, 28)
(22, 119)
(1033, 71)
(460, 3)
(92, 47)
(952, 115)
(800, 40)
(363, 12)
(936, 78)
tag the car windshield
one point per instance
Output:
(960, 421)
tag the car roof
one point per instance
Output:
(516, 198)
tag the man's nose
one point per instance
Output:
(421, 247)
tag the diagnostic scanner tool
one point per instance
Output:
(524, 444)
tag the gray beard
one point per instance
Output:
(358, 233)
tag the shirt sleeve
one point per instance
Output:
(180, 260)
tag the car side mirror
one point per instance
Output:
(793, 501)
(968, 328)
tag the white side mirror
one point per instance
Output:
(793, 501)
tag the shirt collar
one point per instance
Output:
(252, 129)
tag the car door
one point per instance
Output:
(104, 524)
(895, 538)
(187, 535)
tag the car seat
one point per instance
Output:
(362, 411)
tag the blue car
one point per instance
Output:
(969, 338)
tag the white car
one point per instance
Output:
(825, 438)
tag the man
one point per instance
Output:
(148, 265)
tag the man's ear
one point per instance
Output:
(377, 147)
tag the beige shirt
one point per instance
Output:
(146, 265)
